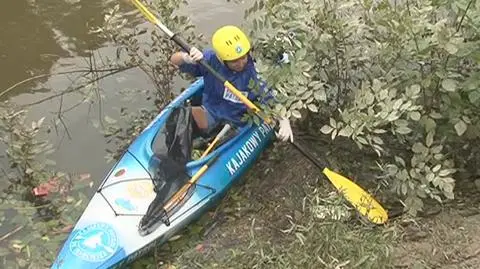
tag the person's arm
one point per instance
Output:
(178, 58)
(188, 62)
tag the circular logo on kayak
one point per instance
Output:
(140, 189)
(94, 243)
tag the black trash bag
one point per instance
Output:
(172, 149)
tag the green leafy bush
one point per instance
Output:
(400, 78)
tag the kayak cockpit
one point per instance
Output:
(177, 149)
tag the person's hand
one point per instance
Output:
(195, 55)
(285, 130)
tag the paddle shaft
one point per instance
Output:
(180, 194)
(308, 155)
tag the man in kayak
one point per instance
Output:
(231, 58)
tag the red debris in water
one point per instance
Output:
(43, 189)
(53, 185)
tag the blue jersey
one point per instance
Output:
(217, 98)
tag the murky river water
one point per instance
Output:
(51, 36)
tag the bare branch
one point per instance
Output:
(53, 74)
(79, 87)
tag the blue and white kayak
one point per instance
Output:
(107, 235)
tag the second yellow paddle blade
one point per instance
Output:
(362, 201)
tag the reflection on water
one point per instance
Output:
(35, 34)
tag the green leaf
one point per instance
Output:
(333, 123)
(306, 95)
(393, 116)
(379, 131)
(418, 148)
(435, 115)
(446, 172)
(397, 104)
(326, 129)
(474, 96)
(377, 140)
(320, 95)
(334, 133)
(413, 90)
(415, 115)
(296, 114)
(450, 195)
(362, 140)
(449, 180)
(369, 98)
(449, 85)
(404, 188)
(460, 127)
(436, 168)
(451, 48)
(414, 204)
(377, 85)
(312, 108)
(429, 124)
(400, 160)
(383, 94)
(429, 139)
(403, 130)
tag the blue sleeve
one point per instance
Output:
(198, 70)
(193, 69)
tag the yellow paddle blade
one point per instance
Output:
(145, 11)
(359, 198)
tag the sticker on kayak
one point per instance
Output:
(94, 243)
(140, 189)
(125, 204)
(120, 172)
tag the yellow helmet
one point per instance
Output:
(230, 43)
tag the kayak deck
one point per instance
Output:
(106, 234)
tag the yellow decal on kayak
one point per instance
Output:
(140, 189)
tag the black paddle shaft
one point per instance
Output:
(307, 154)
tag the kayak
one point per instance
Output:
(106, 235)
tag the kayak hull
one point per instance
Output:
(106, 234)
